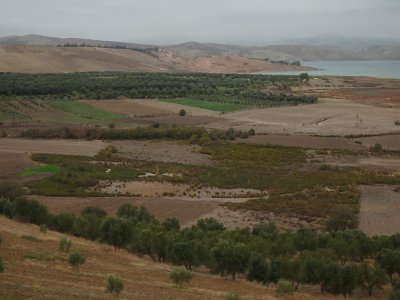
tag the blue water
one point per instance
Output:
(380, 69)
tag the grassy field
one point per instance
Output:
(211, 105)
(78, 112)
(46, 169)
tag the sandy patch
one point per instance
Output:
(379, 210)
(162, 151)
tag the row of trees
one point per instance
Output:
(195, 134)
(235, 88)
(336, 261)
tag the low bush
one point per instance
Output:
(376, 148)
(179, 276)
(232, 296)
(1, 265)
(76, 260)
(284, 287)
(65, 244)
(115, 285)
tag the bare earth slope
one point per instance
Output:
(236, 64)
(41, 59)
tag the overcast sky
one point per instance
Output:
(256, 22)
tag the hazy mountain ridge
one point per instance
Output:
(324, 47)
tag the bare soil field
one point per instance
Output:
(132, 108)
(305, 141)
(162, 151)
(236, 64)
(175, 120)
(337, 117)
(174, 108)
(43, 59)
(152, 111)
(379, 210)
(67, 147)
(12, 164)
(388, 142)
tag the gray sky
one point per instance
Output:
(254, 22)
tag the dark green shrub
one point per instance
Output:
(182, 112)
(376, 148)
(115, 285)
(76, 260)
(252, 132)
(1, 265)
(179, 276)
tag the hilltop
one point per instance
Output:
(35, 53)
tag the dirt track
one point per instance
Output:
(379, 211)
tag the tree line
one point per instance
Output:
(229, 88)
(194, 134)
(337, 260)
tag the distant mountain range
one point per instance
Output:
(322, 47)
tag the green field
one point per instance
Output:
(79, 112)
(45, 169)
(211, 105)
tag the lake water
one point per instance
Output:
(381, 69)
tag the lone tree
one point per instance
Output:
(76, 260)
(115, 286)
(182, 112)
(304, 77)
(180, 276)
